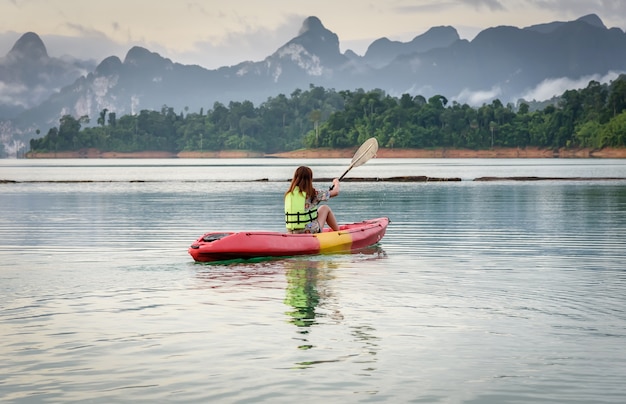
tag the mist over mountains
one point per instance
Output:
(504, 62)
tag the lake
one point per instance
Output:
(480, 292)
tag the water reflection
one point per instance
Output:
(308, 284)
(304, 279)
(312, 287)
(312, 301)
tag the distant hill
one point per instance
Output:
(29, 76)
(383, 51)
(547, 28)
(501, 62)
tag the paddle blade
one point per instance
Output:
(365, 152)
(362, 155)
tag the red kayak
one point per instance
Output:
(220, 246)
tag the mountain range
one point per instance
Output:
(501, 62)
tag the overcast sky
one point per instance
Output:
(215, 33)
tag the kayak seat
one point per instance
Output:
(214, 237)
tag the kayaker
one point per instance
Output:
(302, 214)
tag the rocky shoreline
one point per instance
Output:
(530, 152)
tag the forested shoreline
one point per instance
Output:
(589, 118)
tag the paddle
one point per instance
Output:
(367, 150)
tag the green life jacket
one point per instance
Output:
(296, 217)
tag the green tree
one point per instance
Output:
(102, 117)
(613, 134)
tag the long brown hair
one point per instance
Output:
(303, 179)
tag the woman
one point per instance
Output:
(301, 212)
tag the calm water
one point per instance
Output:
(499, 292)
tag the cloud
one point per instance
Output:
(427, 7)
(545, 90)
(477, 98)
(555, 87)
(576, 7)
(249, 44)
(20, 95)
(493, 5)
(95, 48)
(84, 31)
(10, 93)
